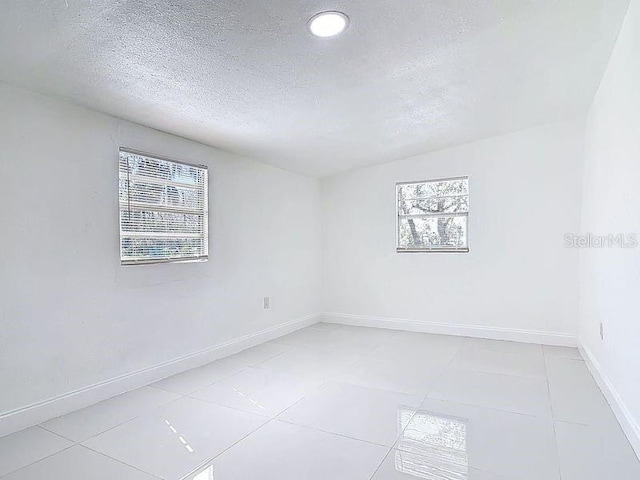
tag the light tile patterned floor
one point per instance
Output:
(345, 403)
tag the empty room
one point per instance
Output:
(319, 240)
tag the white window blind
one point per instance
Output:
(163, 210)
(433, 216)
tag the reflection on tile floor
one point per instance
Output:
(345, 403)
(432, 444)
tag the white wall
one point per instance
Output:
(70, 315)
(610, 277)
(525, 191)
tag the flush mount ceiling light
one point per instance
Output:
(328, 24)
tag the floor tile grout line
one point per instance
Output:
(275, 419)
(394, 449)
(39, 460)
(378, 389)
(361, 357)
(482, 372)
(577, 424)
(328, 350)
(243, 367)
(271, 358)
(339, 434)
(146, 411)
(471, 404)
(492, 409)
(328, 378)
(211, 459)
(553, 420)
(444, 370)
(496, 374)
(270, 417)
(80, 446)
(317, 348)
(235, 409)
(325, 381)
(384, 459)
(506, 353)
(267, 420)
(400, 435)
(311, 391)
(142, 415)
(395, 443)
(372, 387)
(424, 399)
(328, 432)
(40, 426)
(121, 461)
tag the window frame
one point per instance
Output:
(152, 261)
(400, 249)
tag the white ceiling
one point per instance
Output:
(408, 76)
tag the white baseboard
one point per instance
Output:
(493, 333)
(39, 412)
(629, 424)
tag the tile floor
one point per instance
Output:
(345, 403)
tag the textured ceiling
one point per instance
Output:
(408, 76)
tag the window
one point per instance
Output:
(433, 216)
(163, 210)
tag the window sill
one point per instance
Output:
(155, 261)
(432, 250)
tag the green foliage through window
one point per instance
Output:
(433, 215)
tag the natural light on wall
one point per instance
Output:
(163, 210)
(433, 216)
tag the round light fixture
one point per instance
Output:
(328, 24)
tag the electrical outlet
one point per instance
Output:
(601, 331)
(266, 303)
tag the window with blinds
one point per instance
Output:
(163, 210)
(433, 216)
